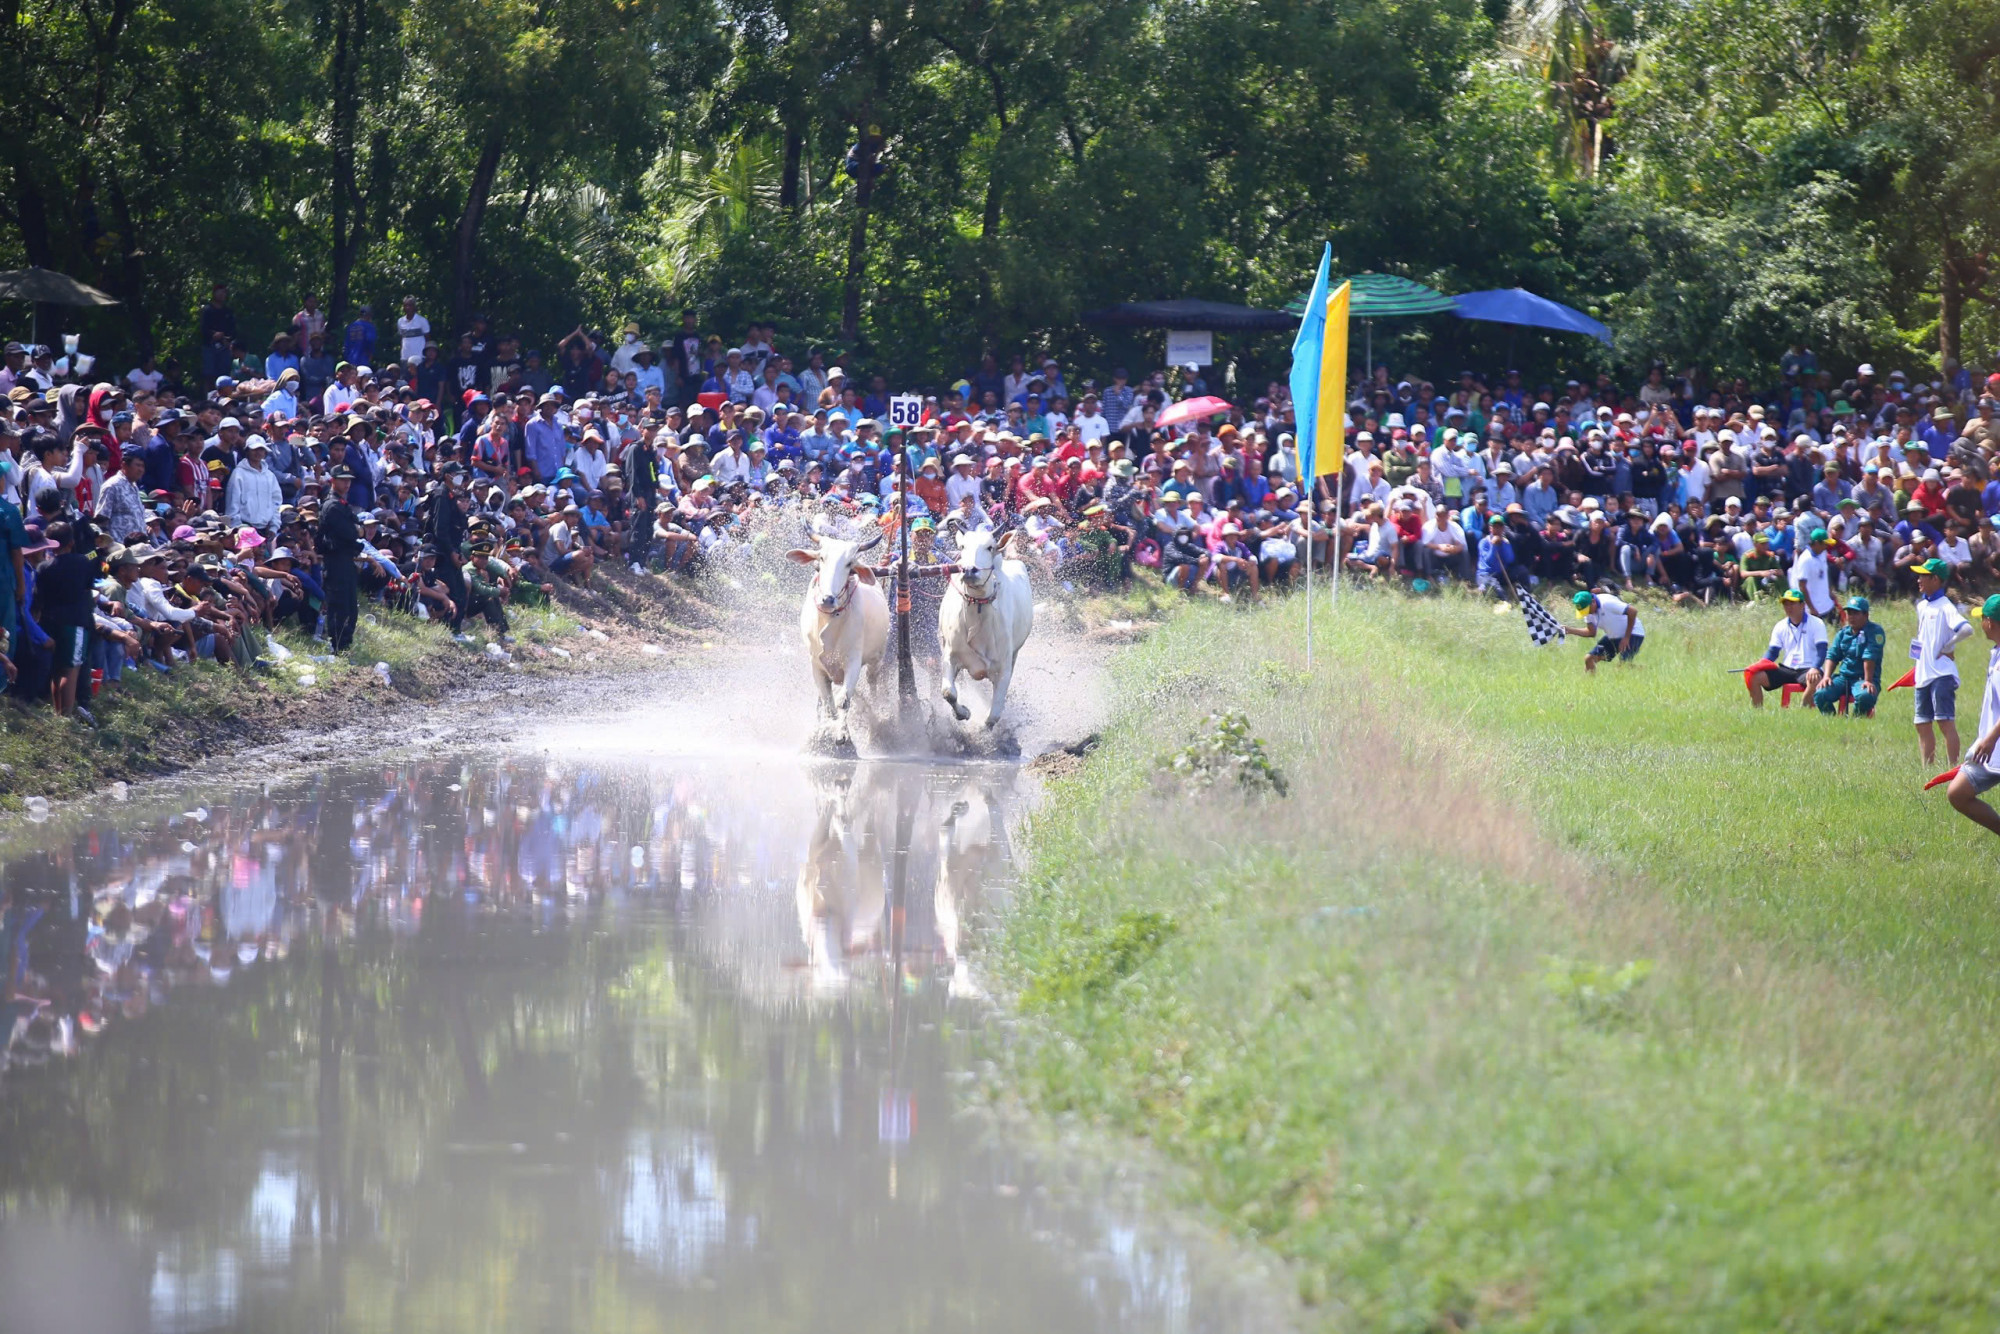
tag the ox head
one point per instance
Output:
(978, 556)
(833, 561)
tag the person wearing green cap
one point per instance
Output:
(1796, 653)
(1854, 663)
(1978, 774)
(1812, 574)
(1613, 621)
(1941, 628)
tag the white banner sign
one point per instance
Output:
(906, 411)
(1190, 347)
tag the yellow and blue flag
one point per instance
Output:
(1319, 374)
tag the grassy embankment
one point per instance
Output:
(153, 724)
(1387, 1022)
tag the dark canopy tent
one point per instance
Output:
(1512, 305)
(1190, 314)
(43, 287)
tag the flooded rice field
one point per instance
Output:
(521, 1042)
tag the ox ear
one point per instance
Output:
(870, 544)
(801, 557)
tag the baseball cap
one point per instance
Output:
(1990, 608)
(1581, 600)
(1861, 603)
(1818, 535)
(1791, 595)
(1934, 567)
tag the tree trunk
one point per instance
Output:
(1959, 276)
(350, 22)
(788, 185)
(132, 272)
(857, 236)
(32, 210)
(465, 279)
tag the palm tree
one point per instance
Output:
(1568, 47)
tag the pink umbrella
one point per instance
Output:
(1189, 409)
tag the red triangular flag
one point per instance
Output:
(1944, 777)
(1907, 681)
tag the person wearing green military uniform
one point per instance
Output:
(488, 582)
(1854, 663)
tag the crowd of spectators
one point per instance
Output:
(164, 516)
(1700, 491)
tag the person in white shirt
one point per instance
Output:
(1444, 550)
(1812, 575)
(1978, 774)
(1375, 554)
(1372, 489)
(963, 482)
(1090, 423)
(628, 349)
(254, 496)
(341, 394)
(1613, 622)
(414, 330)
(143, 378)
(1797, 651)
(590, 460)
(1941, 628)
(730, 464)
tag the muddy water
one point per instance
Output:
(528, 1043)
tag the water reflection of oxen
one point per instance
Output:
(843, 877)
(894, 863)
(967, 854)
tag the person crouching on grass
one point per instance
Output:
(1797, 651)
(1941, 628)
(1854, 663)
(1613, 622)
(1977, 774)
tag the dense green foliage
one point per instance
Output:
(1715, 179)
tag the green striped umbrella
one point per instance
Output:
(1380, 295)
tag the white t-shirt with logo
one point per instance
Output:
(416, 332)
(1802, 645)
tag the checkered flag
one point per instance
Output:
(1543, 628)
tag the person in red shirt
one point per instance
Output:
(1930, 493)
(929, 487)
(1037, 484)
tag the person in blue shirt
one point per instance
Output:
(163, 461)
(360, 339)
(284, 356)
(1497, 566)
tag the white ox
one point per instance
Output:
(987, 613)
(845, 620)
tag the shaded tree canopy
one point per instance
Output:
(1716, 180)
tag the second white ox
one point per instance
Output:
(987, 613)
(844, 622)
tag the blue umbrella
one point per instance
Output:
(1512, 305)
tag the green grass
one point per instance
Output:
(1542, 1002)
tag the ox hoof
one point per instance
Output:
(960, 712)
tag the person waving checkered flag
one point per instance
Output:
(1543, 627)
